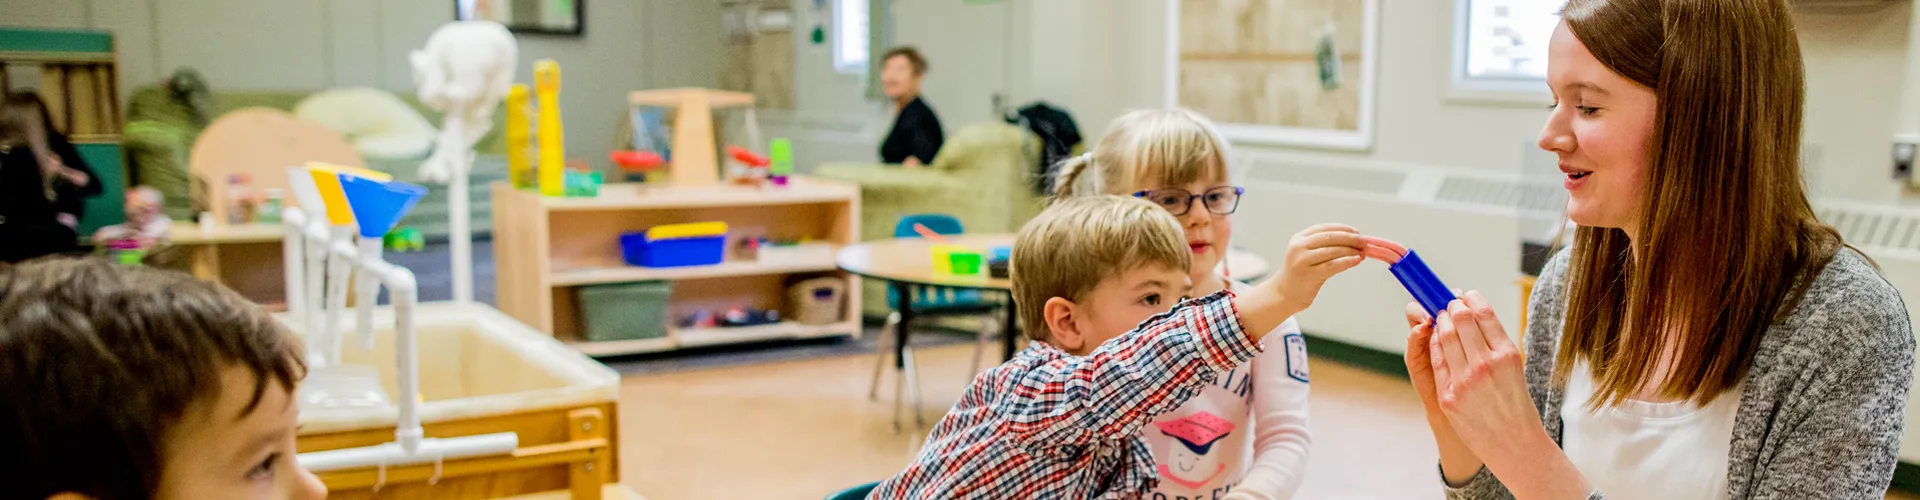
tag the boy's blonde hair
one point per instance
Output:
(1151, 147)
(1069, 248)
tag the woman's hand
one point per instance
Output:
(911, 162)
(1457, 462)
(52, 168)
(1480, 384)
(1480, 378)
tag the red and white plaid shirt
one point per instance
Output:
(1048, 424)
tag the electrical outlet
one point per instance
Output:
(1904, 146)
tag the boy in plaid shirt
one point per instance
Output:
(1062, 419)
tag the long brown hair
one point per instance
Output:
(24, 123)
(1727, 240)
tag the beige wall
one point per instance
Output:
(304, 45)
(1102, 57)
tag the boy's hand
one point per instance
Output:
(1313, 256)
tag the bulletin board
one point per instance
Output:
(1282, 72)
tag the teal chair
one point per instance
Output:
(933, 300)
(927, 302)
(855, 493)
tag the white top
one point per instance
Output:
(1244, 437)
(1649, 450)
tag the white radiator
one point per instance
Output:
(1468, 225)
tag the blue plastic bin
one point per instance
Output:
(672, 252)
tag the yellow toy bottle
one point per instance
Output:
(553, 153)
(519, 138)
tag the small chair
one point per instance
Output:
(929, 302)
(855, 493)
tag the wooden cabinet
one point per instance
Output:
(546, 247)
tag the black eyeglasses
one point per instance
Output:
(1221, 200)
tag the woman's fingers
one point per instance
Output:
(1473, 344)
(1447, 335)
(1490, 328)
(1416, 315)
(1436, 354)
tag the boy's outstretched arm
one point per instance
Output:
(1163, 362)
(1313, 256)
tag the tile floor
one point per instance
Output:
(802, 429)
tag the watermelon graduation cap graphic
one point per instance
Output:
(1190, 462)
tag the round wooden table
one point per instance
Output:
(905, 263)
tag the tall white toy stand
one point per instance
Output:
(464, 71)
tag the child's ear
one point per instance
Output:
(1061, 330)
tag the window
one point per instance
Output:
(850, 51)
(1501, 46)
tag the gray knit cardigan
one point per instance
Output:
(1824, 401)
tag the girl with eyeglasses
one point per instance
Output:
(1245, 436)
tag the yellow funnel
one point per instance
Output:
(326, 177)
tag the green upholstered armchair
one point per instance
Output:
(981, 176)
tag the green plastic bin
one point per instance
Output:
(624, 311)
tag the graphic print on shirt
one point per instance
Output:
(1188, 461)
(1296, 356)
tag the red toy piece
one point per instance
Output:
(637, 163)
(748, 158)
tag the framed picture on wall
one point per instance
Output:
(1279, 72)
(553, 17)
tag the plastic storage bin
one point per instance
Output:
(624, 311)
(817, 301)
(676, 245)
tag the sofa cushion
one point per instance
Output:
(494, 142)
(379, 124)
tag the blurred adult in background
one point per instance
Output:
(916, 135)
(43, 182)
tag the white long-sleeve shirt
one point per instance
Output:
(1245, 436)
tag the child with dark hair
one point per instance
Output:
(136, 383)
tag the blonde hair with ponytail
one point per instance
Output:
(1152, 147)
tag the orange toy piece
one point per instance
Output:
(637, 163)
(748, 158)
(753, 167)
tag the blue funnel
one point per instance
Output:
(378, 206)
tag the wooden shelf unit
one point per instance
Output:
(546, 247)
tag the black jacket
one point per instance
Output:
(28, 224)
(916, 133)
(1058, 136)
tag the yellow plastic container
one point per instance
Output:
(687, 230)
(943, 257)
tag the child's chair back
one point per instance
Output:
(855, 493)
(932, 296)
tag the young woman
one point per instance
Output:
(916, 136)
(1705, 336)
(43, 183)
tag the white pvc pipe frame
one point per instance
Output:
(410, 446)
